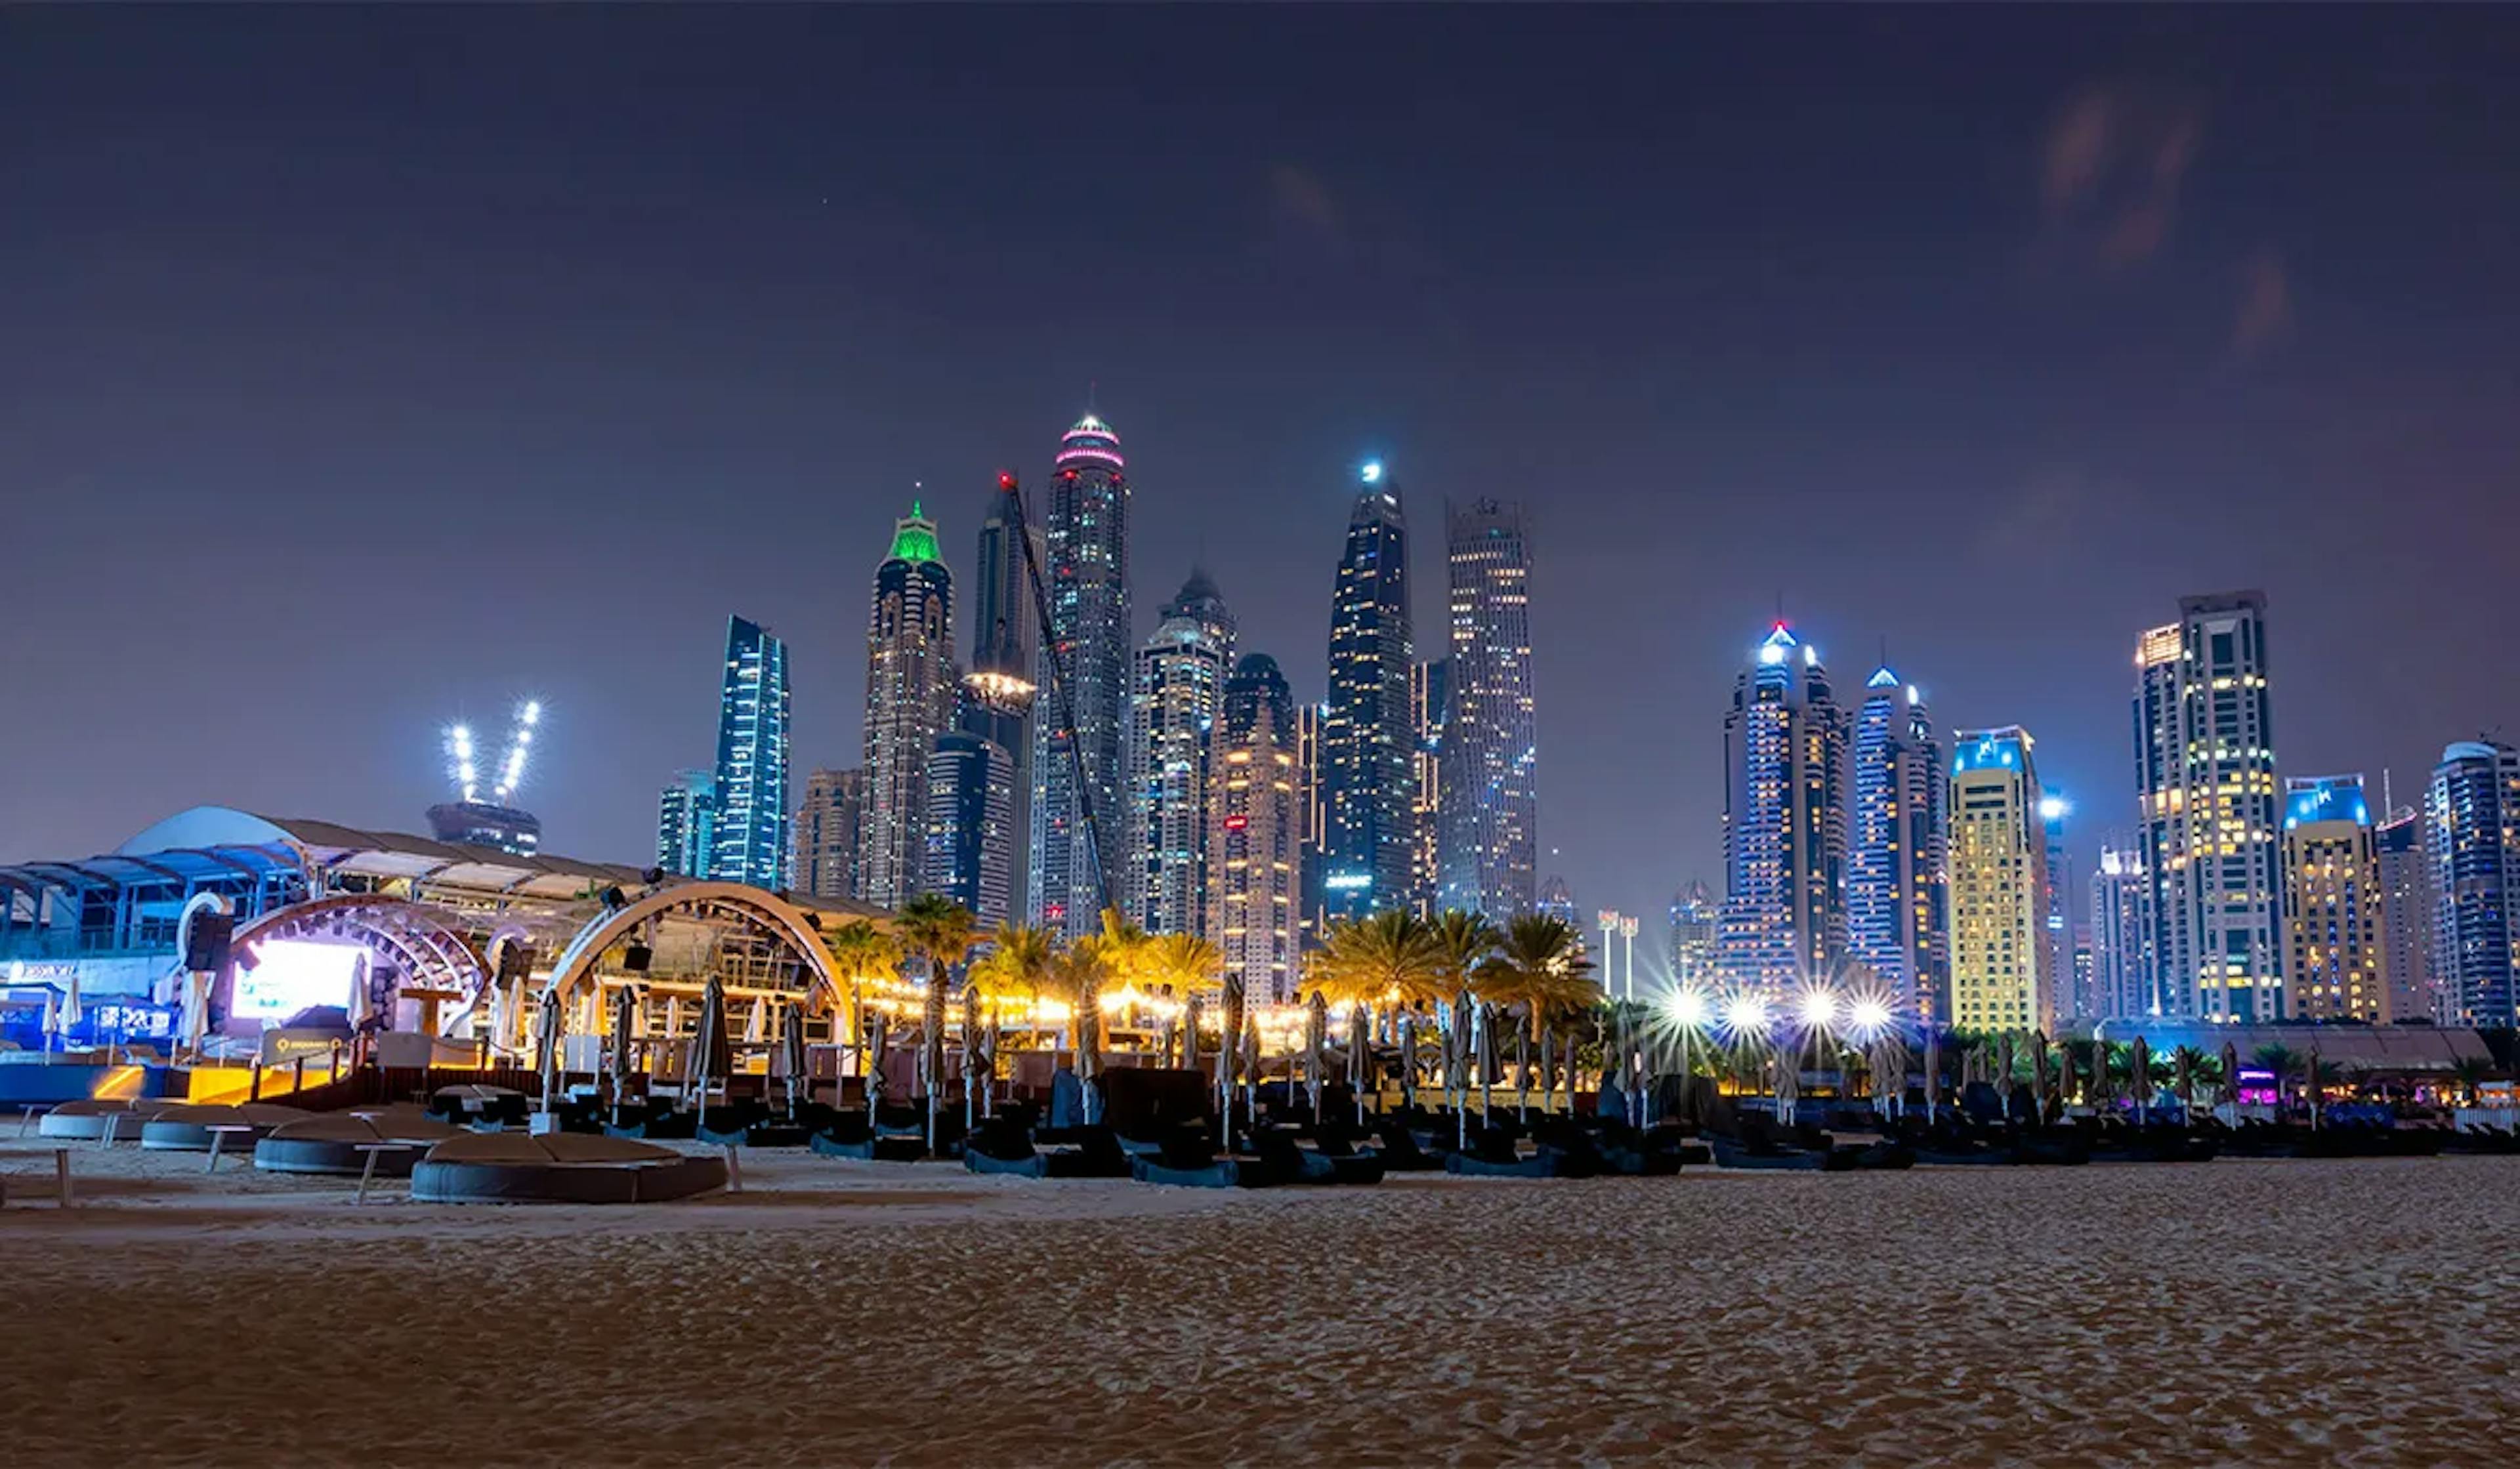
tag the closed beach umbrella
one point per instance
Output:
(1089, 1043)
(2311, 1077)
(51, 1018)
(2141, 1068)
(1317, 1048)
(1933, 1071)
(975, 1078)
(756, 1026)
(878, 1048)
(1252, 1068)
(2187, 1081)
(1360, 1056)
(547, 1048)
(1189, 1032)
(791, 1046)
(2004, 1078)
(1408, 1059)
(2039, 1066)
(2231, 1072)
(711, 1059)
(625, 1021)
(1487, 1020)
(673, 1017)
(196, 1010)
(2100, 1069)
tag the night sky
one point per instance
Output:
(362, 370)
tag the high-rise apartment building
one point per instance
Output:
(968, 846)
(2205, 782)
(1784, 819)
(1896, 901)
(2003, 956)
(831, 833)
(1429, 694)
(1693, 928)
(998, 695)
(687, 823)
(910, 695)
(2067, 999)
(1487, 848)
(1080, 716)
(749, 842)
(2407, 909)
(1180, 674)
(1556, 900)
(1254, 848)
(2472, 812)
(1312, 820)
(2336, 963)
(2121, 968)
(1368, 801)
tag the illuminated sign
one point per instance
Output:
(1348, 882)
(291, 975)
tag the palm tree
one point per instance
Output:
(2279, 1060)
(1387, 958)
(2472, 1072)
(940, 931)
(1539, 966)
(2188, 1065)
(1090, 966)
(860, 952)
(1183, 962)
(1017, 965)
(1462, 942)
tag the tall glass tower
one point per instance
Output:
(2205, 784)
(1182, 671)
(997, 693)
(1784, 821)
(2005, 972)
(1368, 800)
(2406, 912)
(909, 703)
(970, 804)
(1081, 714)
(686, 825)
(1896, 895)
(830, 833)
(1255, 833)
(749, 843)
(2122, 967)
(2472, 813)
(1491, 754)
(1694, 916)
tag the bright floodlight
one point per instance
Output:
(1745, 1015)
(2054, 808)
(1869, 1017)
(1374, 471)
(1687, 1008)
(1818, 1007)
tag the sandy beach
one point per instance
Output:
(2351, 1312)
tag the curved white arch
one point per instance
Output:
(576, 963)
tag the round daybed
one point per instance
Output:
(83, 1120)
(560, 1167)
(332, 1144)
(185, 1126)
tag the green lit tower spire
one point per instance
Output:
(910, 701)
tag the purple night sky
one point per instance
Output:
(365, 368)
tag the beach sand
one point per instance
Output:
(841, 1314)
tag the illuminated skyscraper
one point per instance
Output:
(2335, 957)
(968, 848)
(1693, 928)
(2205, 782)
(2066, 996)
(1896, 918)
(1313, 818)
(909, 703)
(1254, 842)
(686, 825)
(2003, 974)
(2407, 904)
(1429, 692)
(1366, 747)
(2473, 815)
(1784, 819)
(1086, 549)
(1491, 755)
(2122, 969)
(1182, 671)
(1557, 901)
(997, 693)
(830, 829)
(749, 843)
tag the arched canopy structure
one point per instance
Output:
(429, 951)
(755, 909)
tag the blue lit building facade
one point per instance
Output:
(1368, 794)
(1080, 717)
(968, 847)
(749, 843)
(1784, 821)
(1486, 852)
(686, 825)
(1182, 671)
(2472, 811)
(1897, 902)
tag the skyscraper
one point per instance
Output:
(1491, 752)
(1896, 918)
(909, 703)
(1557, 900)
(2473, 813)
(999, 693)
(1429, 692)
(1180, 674)
(2066, 996)
(1693, 928)
(2406, 909)
(831, 830)
(2004, 958)
(1368, 803)
(1252, 896)
(968, 847)
(2335, 956)
(2121, 968)
(2205, 782)
(687, 823)
(1784, 819)
(1080, 716)
(749, 843)
(1313, 818)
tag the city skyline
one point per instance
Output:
(1703, 395)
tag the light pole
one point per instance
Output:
(1628, 932)
(1609, 919)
